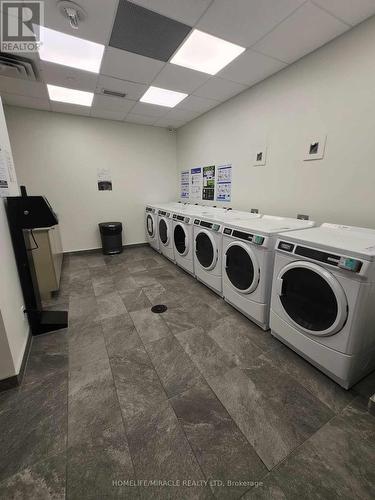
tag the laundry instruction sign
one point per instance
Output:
(208, 192)
(196, 184)
(185, 185)
(224, 183)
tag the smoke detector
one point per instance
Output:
(73, 12)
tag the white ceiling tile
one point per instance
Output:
(306, 30)
(219, 89)
(64, 76)
(97, 26)
(185, 11)
(169, 122)
(250, 68)
(128, 66)
(108, 103)
(25, 102)
(183, 115)
(140, 119)
(132, 90)
(108, 115)
(197, 104)
(175, 77)
(23, 87)
(142, 108)
(349, 11)
(245, 21)
(72, 109)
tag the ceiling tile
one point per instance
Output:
(197, 104)
(64, 76)
(132, 90)
(219, 89)
(142, 108)
(169, 122)
(23, 87)
(145, 32)
(184, 11)
(250, 68)
(108, 115)
(140, 119)
(107, 103)
(128, 66)
(306, 30)
(175, 77)
(184, 115)
(72, 109)
(245, 21)
(349, 11)
(96, 27)
(25, 102)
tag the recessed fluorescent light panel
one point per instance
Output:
(206, 53)
(70, 96)
(69, 50)
(162, 97)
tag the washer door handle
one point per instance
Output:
(279, 286)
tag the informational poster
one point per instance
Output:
(224, 183)
(196, 184)
(208, 192)
(6, 172)
(104, 179)
(185, 184)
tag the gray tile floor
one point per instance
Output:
(194, 403)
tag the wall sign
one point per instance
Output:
(185, 184)
(7, 174)
(208, 192)
(224, 183)
(104, 179)
(196, 184)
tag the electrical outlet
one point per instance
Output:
(303, 217)
(254, 211)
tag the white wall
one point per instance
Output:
(58, 155)
(330, 91)
(14, 327)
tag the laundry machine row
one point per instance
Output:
(314, 286)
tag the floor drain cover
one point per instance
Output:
(160, 308)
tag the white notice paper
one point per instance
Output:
(4, 174)
(185, 184)
(196, 184)
(224, 183)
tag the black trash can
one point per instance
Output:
(111, 234)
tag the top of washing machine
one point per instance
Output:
(270, 224)
(357, 241)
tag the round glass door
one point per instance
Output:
(163, 231)
(180, 240)
(150, 225)
(313, 298)
(241, 268)
(205, 251)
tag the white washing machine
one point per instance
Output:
(151, 225)
(208, 247)
(165, 233)
(323, 299)
(247, 264)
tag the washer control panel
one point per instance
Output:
(208, 225)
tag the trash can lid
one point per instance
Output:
(110, 224)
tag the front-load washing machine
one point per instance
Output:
(247, 264)
(151, 225)
(165, 233)
(208, 247)
(323, 299)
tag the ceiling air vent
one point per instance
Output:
(113, 93)
(17, 67)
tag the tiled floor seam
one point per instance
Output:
(118, 401)
(171, 406)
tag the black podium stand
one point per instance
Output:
(27, 213)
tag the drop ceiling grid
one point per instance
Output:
(238, 78)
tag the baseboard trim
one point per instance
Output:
(99, 249)
(16, 380)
